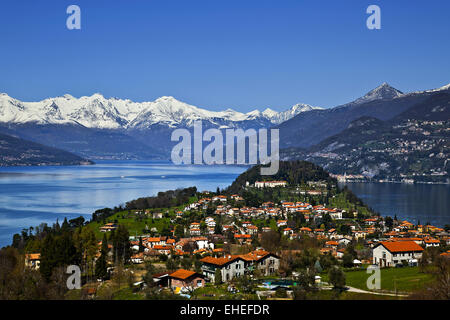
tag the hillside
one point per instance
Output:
(293, 172)
(384, 103)
(414, 145)
(19, 152)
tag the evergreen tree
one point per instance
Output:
(101, 265)
(217, 277)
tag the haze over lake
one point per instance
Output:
(32, 195)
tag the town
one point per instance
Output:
(311, 240)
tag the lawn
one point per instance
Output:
(405, 279)
(134, 226)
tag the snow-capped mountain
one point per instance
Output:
(97, 111)
(383, 91)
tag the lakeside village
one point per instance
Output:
(232, 243)
(299, 236)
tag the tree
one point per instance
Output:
(179, 231)
(388, 222)
(186, 263)
(121, 245)
(270, 240)
(101, 265)
(336, 277)
(347, 260)
(141, 246)
(218, 277)
(171, 264)
(148, 277)
(246, 284)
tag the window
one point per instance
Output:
(199, 283)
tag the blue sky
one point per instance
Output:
(218, 54)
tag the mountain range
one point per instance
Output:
(96, 127)
(101, 128)
(99, 112)
(412, 146)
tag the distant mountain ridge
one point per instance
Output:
(99, 128)
(384, 103)
(19, 152)
(412, 146)
(99, 112)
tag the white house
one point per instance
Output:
(390, 253)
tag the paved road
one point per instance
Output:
(351, 289)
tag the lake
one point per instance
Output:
(32, 195)
(412, 202)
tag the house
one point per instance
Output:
(252, 230)
(390, 253)
(243, 238)
(230, 267)
(220, 198)
(268, 263)
(288, 231)
(108, 227)
(270, 184)
(210, 222)
(203, 243)
(33, 260)
(163, 249)
(157, 215)
(138, 258)
(431, 242)
(281, 223)
(182, 279)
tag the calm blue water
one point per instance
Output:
(412, 202)
(32, 195)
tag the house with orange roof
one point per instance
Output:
(332, 244)
(230, 266)
(390, 253)
(252, 230)
(264, 261)
(281, 223)
(163, 249)
(33, 260)
(446, 254)
(288, 231)
(137, 258)
(431, 242)
(182, 280)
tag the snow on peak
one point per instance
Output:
(443, 88)
(96, 111)
(383, 91)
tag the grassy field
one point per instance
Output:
(405, 279)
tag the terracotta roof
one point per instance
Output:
(255, 255)
(33, 256)
(220, 261)
(401, 246)
(182, 274)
